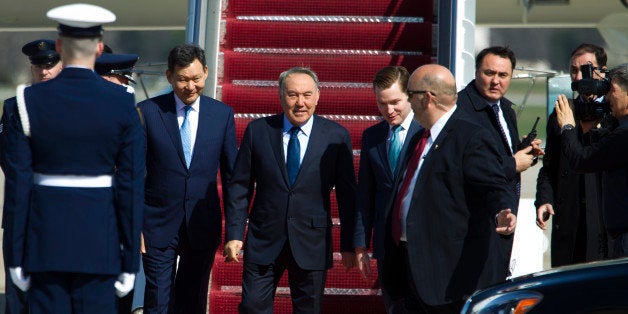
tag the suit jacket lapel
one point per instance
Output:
(316, 145)
(426, 167)
(168, 113)
(203, 128)
(276, 142)
(382, 150)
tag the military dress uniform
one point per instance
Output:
(39, 52)
(75, 169)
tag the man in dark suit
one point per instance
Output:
(483, 101)
(45, 65)
(188, 137)
(382, 144)
(74, 171)
(574, 199)
(451, 201)
(291, 161)
(608, 155)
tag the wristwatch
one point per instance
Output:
(566, 127)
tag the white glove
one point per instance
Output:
(21, 280)
(124, 284)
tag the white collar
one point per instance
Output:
(440, 123)
(195, 105)
(306, 128)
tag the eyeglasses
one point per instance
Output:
(412, 92)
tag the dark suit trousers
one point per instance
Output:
(172, 289)
(56, 292)
(14, 297)
(259, 283)
(400, 278)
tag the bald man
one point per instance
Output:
(450, 205)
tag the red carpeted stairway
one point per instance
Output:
(345, 42)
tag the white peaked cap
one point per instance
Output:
(81, 15)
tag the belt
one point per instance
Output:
(73, 181)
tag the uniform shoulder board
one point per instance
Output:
(21, 109)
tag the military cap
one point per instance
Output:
(113, 63)
(81, 20)
(41, 52)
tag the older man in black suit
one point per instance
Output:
(291, 161)
(451, 202)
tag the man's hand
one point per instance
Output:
(536, 148)
(524, 159)
(232, 251)
(348, 259)
(564, 114)
(142, 245)
(363, 262)
(124, 284)
(506, 222)
(542, 215)
(19, 278)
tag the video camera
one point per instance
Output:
(585, 109)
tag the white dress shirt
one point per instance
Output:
(502, 121)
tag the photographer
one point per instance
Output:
(578, 233)
(608, 155)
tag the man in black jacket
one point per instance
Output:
(484, 102)
(573, 198)
(607, 155)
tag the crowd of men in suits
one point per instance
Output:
(436, 195)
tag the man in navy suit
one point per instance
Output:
(74, 171)
(189, 137)
(451, 201)
(382, 144)
(45, 65)
(291, 161)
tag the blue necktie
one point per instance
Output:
(394, 147)
(186, 136)
(293, 155)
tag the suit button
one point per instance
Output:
(564, 173)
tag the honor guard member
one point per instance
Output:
(75, 170)
(45, 61)
(45, 65)
(118, 68)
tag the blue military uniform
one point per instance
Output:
(75, 169)
(39, 52)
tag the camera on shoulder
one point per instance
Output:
(584, 108)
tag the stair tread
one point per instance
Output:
(373, 36)
(328, 67)
(332, 7)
